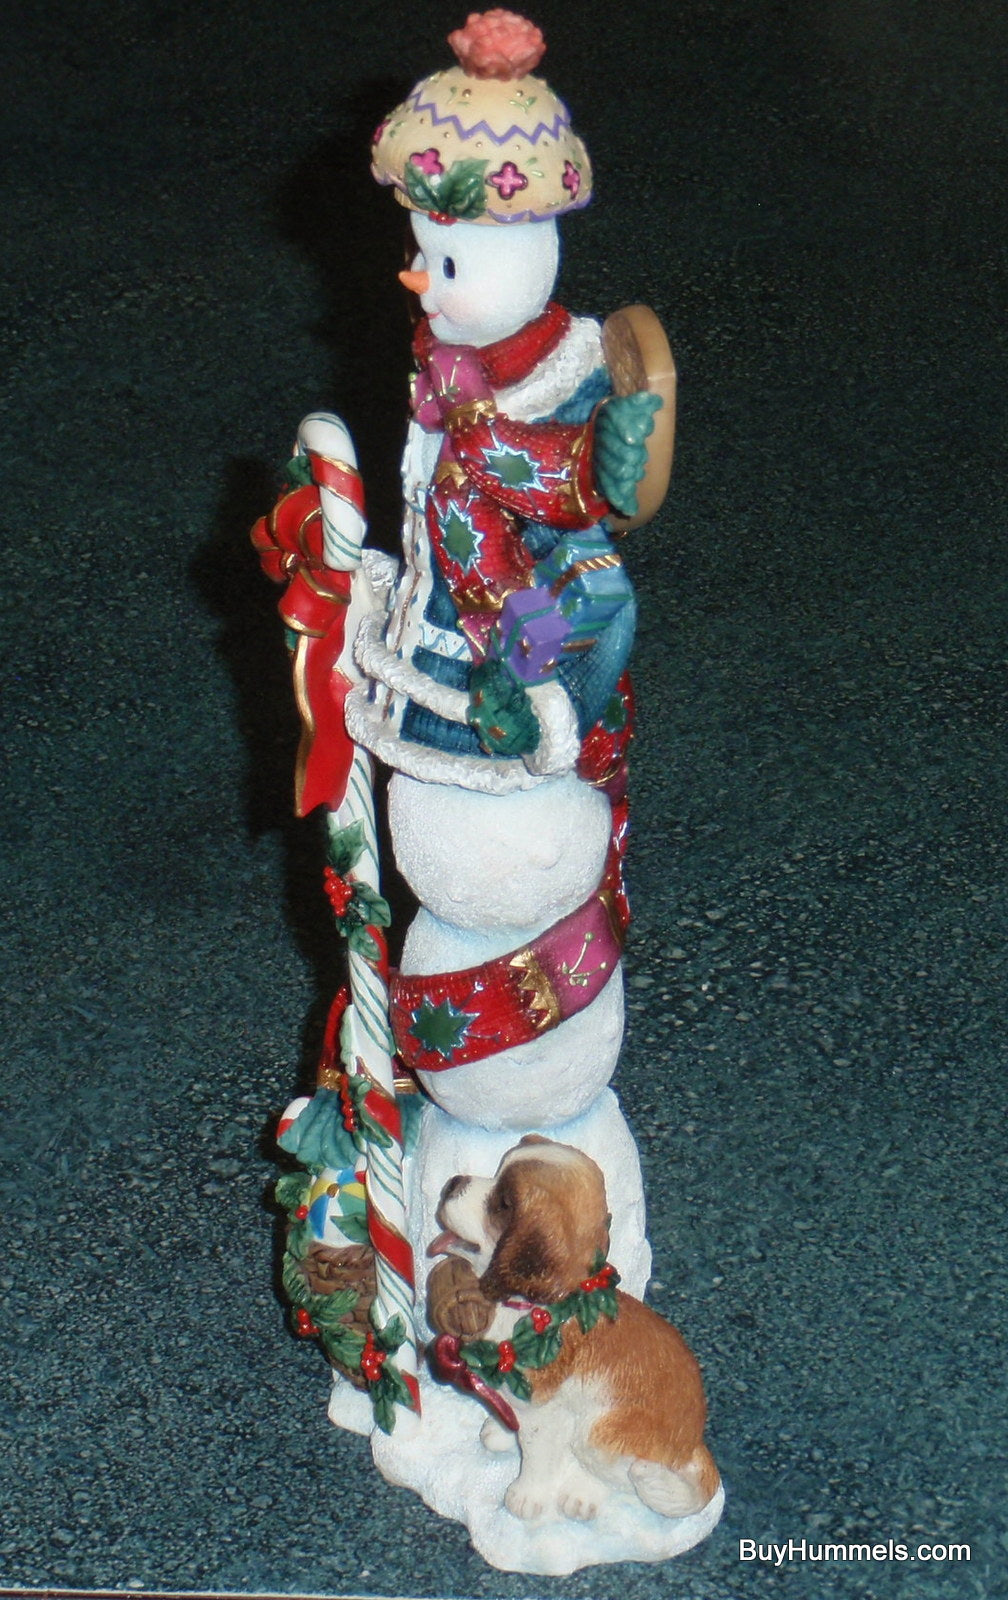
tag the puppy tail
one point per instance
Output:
(680, 1491)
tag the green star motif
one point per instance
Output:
(514, 468)
(461, 540)
(441, 1027)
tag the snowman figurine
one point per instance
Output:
(495, 676)
(492, 681)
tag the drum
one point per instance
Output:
(637, 356)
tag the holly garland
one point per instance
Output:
(536, 1338)
(356, 906)
(297, 473)
(362, 1127)
(320, 1316)
(337, 1121)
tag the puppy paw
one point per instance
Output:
(455, 1302)
(671, 1494)
(493, 1436)
(579, 1507)
(526, 1500)
(578, 1494)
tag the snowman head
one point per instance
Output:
(483, 283)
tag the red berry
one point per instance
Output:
(541, 1318)
(601, 1280)
(507, 1356)
(346, 1102)
(338, 890)
(372, 1360)
(301, 1213)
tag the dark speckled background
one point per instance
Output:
(812, 194)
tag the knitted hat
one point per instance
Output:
(485, 141)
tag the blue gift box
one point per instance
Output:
(586, 578)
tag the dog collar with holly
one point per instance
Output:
(485, 1366)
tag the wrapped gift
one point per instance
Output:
(532, 632)
(588, 583)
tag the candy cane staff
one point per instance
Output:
(312, 541)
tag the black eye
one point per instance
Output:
(448, 267)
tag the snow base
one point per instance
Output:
(444, 1462)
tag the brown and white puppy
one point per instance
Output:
(622, 1405)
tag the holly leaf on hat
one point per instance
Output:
(459, 192)
(421, 189)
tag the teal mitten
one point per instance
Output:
(621, 426)
(501, 712)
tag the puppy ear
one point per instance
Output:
(523, 1265)
(533, 1138)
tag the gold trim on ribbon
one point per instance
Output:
(450, 470)
(271, 519)
(608, 901)
(535, 984)
(329, 1077)
(315, 515)
(578, 568)
(473, 411)
(299, 667)
(575, 496)
(331, 461)
(316, 580)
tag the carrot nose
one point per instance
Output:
(417, 282)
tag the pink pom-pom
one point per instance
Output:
(497, 44)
